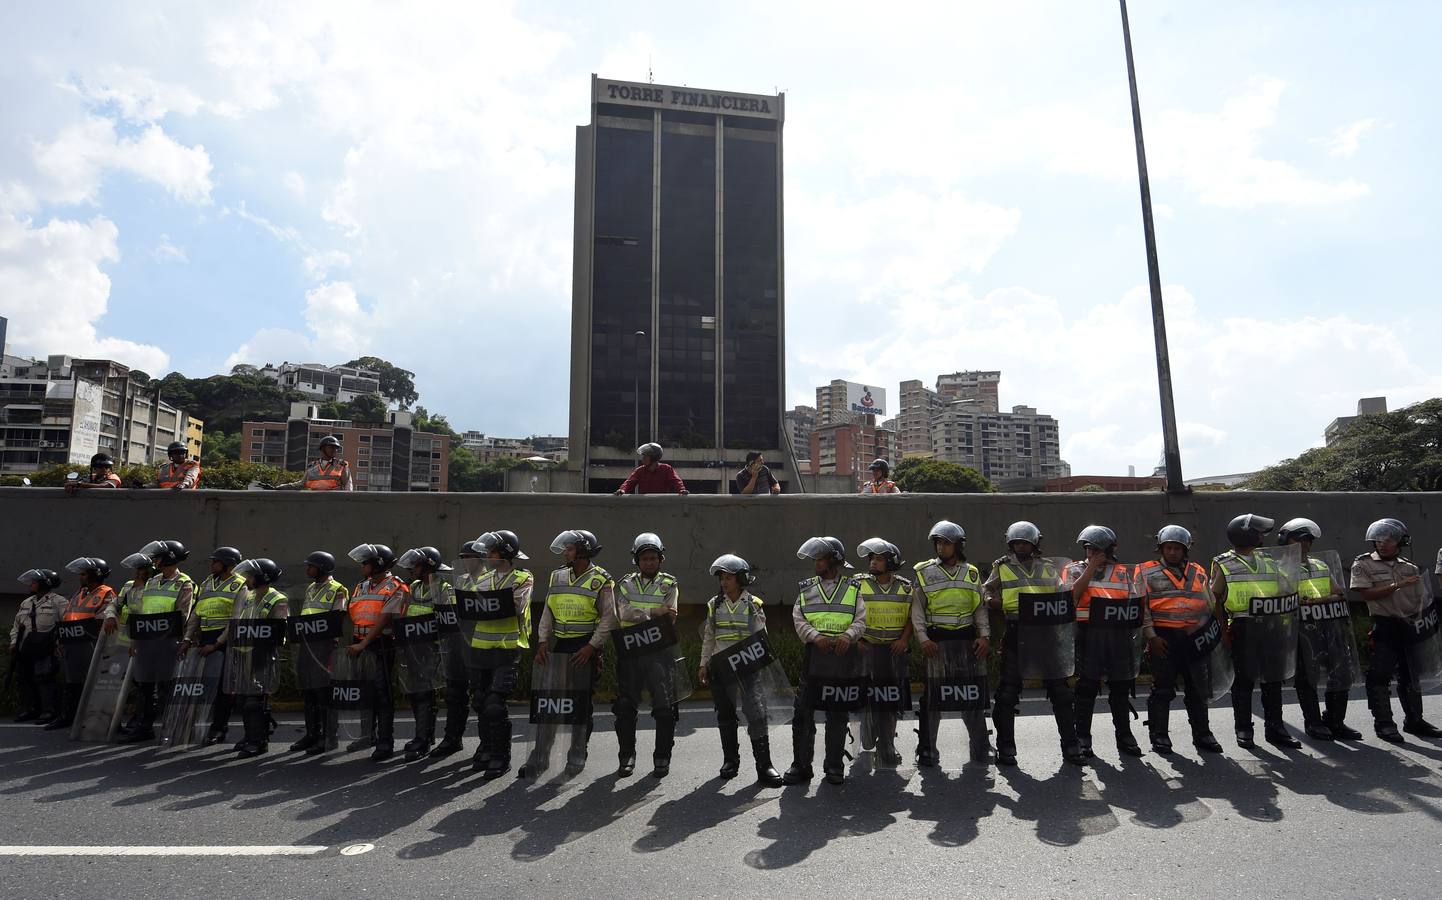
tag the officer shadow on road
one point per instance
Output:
(1364, 779)
(955, 804)
(1155, 798)
(808, 820)
(1066, 806)
(703, 808)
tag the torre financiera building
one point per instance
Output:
(677, 329)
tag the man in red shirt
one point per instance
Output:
(653, 476)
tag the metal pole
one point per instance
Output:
(1171, 450)
(636, 394)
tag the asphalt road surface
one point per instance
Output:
(1330, 820)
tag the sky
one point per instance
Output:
(184, 187)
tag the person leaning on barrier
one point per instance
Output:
(1021, 571)
(1390, 583)
(1180, 601)
(214, 605)
(496, 645)
(756, 480)
(322, 595)
(327, 472)
(1317, 586)
(179, 472)
(642, 595)
(829, 617)
(880, 483)
(259, 600)
(376, 599)
(102, 475)
(1238, 575)
(85, 610)
(732, 616)
(33, 639)
(652, 476)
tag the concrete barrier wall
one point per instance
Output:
(44, 527)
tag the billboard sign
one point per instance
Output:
(865, 399)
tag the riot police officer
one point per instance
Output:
(643, 595)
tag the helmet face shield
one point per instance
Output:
(947, 531)
(411, 559)
(81, 565)
(30, 575)
(137, 561)
(153, 549)
(364, 553)
(1174, 534)
(814, 548)
(248, 568)
(1386, 529)
(1023, 531)
(566, 539)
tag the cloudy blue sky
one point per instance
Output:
(184, 189)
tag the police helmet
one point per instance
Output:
(173, 446)
(1247, 530)
(730, 562)
(49, 579)
(1382, 529)
(1098, 536)
(505, 542)
(102, 461)
(264, 571)
(91, 564)
(330, 440)
(137, 561)
(881, 464)
(375, 554)
(824, 548)
(1174, 534)
(647, 541)
(227, 556)
(1023, 531)
(651, 449)
(425, 559)
(880, 547)
(1300, 530)
(166, 553)
(584, 541)
(321, 560)
(947, 530)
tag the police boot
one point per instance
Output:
(577, 754)
(69, 703)
(312, 728)
(665, 741)
(885, 737)
(833, 761)
(1005, 737)
(928, 728)
(457, 709)
(1274, 731)
(731, 751)
(978, 744)
(253, 717)
(766, 774)
(483, 751)
(1084, 706)
(1157, 727)
(423, 710)
(49, 703)
(1379, 700)
(1120, 703)
(626, 756)
(1412, 721)
(144, 716)
(1336, 715)
(1313, 723)
(803, 750)
(499, 762)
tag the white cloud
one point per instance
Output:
(165, 252)
(55, 290)
(138, 97)
(1344, 142)
(78, 158)
(339, 329)
(295, 183)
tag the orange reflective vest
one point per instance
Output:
(1114, 582)
(87, 604)
(169, 474)
(1184, 602)
(879, 487)
(112, 479)
(368, 601)
(321, 475)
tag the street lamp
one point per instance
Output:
(636, 394)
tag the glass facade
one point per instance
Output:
(686, 353)
(621, 285)
(751, 261)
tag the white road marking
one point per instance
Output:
(232, 850)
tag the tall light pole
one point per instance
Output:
(1171, 450)
(636, 394)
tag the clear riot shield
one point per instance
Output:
(418, 654)
(454, 645)
(835, 681)
(313, 640)
(1327, 651)
(192, 694)
(1208, 660)
(154, 638)
(251, 664)
(351, 698)
(477, 602)
(1268, 653)
(751, 677)
(77, 646)
(1046, 623)
(560, 717)
(956, 680)
(1109, 645)
(107, 682)
(888, 690)
(1424, 648)
(649, 654)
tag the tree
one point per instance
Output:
(225, 401)
(436, 424)
(368, 408)
(464, 473)
(937, 476)
(1091, 489)
(397, 384)
(219, 447)
(1396, 451)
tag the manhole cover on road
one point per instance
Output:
(357, 849)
